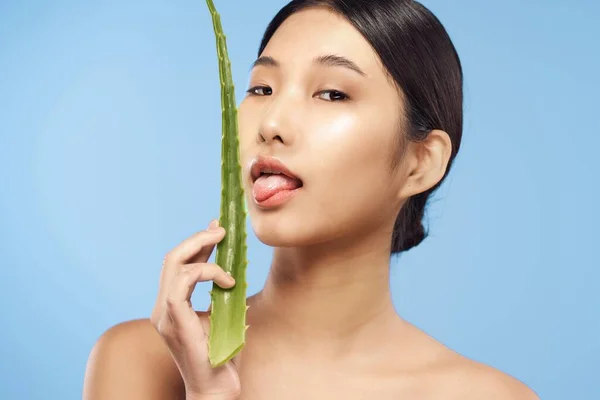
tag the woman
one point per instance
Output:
(354, 112)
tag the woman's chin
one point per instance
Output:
(280, 237)
(279, 232)
(277, 242)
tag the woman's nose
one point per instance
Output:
(280, 120)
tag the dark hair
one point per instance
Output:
(419, 57)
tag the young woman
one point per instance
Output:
(352, 118)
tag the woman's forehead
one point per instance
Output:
(314, 33)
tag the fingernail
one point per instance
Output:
(214, 224)
(230, 278)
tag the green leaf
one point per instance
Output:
(227, 334)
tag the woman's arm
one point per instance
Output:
(131, 362)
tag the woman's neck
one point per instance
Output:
(328, 299)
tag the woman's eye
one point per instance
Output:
(328, 95)
(333, 95)
(260, 91)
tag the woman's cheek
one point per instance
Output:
(338, 128)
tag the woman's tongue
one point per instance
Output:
(269, 184)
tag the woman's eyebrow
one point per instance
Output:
(330, 60)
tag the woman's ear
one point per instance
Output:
(427, 163)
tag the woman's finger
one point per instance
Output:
(178, 299)
(190, 247)
(207, 250)
(193, 245)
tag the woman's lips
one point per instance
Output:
(268, 164)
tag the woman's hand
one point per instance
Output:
(184, 330)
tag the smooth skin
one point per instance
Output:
(324, 326)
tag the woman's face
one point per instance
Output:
(339, 146)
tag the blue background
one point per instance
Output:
(110, 156)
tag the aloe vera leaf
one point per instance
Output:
(227, 334)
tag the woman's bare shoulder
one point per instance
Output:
(458, 377)
(130, 361)
(469, 379)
